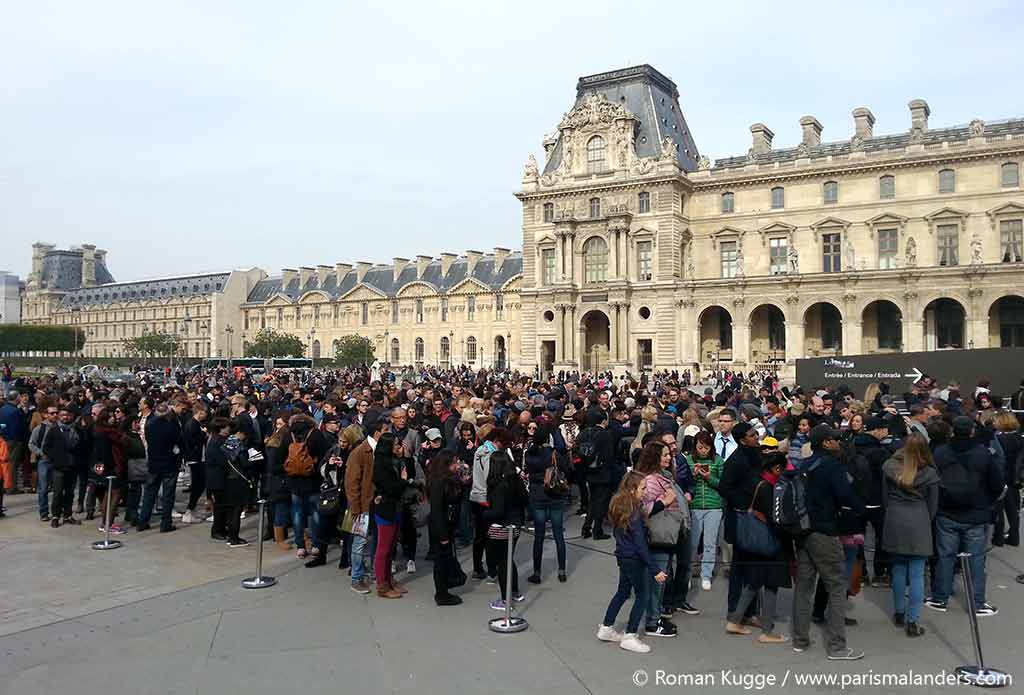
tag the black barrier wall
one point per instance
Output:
(1004, 367)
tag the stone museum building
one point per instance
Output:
(639, 251)
(74, 287)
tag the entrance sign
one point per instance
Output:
(1004, 367)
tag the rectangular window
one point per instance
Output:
(547, 265)
(499, 306)
(728, 203)
(729, 264)
(644, 262)
(1011, 240)
(419, 311)
(831, 192)
(778, 197)
(1010, 174)
(887, 187)
(948, 238)
(394, 312)
(644, 203)
(947, 181)
(778, 255)
(470, 308)
(366, 313)
(595, 207)
(887, 245)
(549, 212)
(831, 250)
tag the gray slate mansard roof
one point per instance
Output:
(879, 143)
(161, 288)
(62, 270)
(653, 99)
(382, 278)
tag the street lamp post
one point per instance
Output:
(312, 334)
(229, 332)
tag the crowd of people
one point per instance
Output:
(749, 482)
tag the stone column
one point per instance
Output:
(613, 348)
(740, 342)
(795, 340)
(853, 336)
(975, 321)
(560, 332)
(613, 253)
(570, 257)
(913, 335)
(624, 313)
(559, 258)
(574, 346)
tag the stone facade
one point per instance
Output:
(636, 255)
(427, 311)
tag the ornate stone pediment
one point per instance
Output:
(417, 288)
(363, 292)
(595, 112)
(469, 286)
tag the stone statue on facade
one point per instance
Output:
(911, 252)
(794, 260)
(976, 250)
(703, 163)
(691, 269)
(668, 148)
(851, 257)
(530, 171)
(976, 128)
(739, 262)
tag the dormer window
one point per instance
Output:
(596, 151)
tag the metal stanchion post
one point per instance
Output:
(508, 623)
(259, 581)
(978, 675)
(108, 519)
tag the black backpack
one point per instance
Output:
(863, 475)
(959, 483)
(789, 501)
(585, 449)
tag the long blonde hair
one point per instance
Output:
(916, 455)
(625, 503)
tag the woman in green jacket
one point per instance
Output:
(706, 505)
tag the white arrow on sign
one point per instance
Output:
(917, 375)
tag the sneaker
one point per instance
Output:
(985, 610)
(361, 587)
(688, 609)
(632, 643)
(534, 578)
(449, 600)
(209, 519)
(518, 598)
(772, 638)
(497, 604)
(244, 514)
(705, 584)
(410, 567)
(72, 520)
(479, 575)
(117, 530)
(801, 648)
(941, 606)
(914, 630)
(846, 655)
(178, 515)
(187, 517)
(491, 580)
(663, 629)
(44, 518)
(237, 543)
(607, 633)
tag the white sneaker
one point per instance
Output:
(176, 514)
(705, 584)
(186, 518)
(631, 643)
(244, 513)
(410, 567)
(209, 519)
(607, 633)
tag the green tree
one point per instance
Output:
(353, 350)
(26, 338)
(270, 343)
(151, 345)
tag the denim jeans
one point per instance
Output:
(633, 575)
(544, 512)
(167, 479)
(952, 537)
(907, 569)
(302, 506)
(282, 510)
(43, 486)
(708, 521)
(360, 546)
(655, 590)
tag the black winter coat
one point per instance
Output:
(163, 437)
(773, 571)
(876, 455)
(537, 463)
(216, 463)
(605, 443)
(990, 480)
(445, 498)
(194, 438)
(388, 485)
(740, 476)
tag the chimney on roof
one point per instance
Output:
(811, 128)
(287, 275)
(322, 273)
(361, 268)
(446, 262)
(472, 258)
(500, 255)
(39, 251)
(919, 113)
(340, 271)
(762, 138)
(305, 273)
(400, 264)
(421, 265)
(88, 265)
(863, 123)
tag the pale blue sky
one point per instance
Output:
(183, 138)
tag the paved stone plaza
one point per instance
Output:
(166, 614)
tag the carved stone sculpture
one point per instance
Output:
(530, 171)
(703, 163)
(851, 257)
(911, 252)
(668, 148)
(976, 128)
(976, 250)
(794, 260)
(739, 262)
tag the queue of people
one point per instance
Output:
(691, 486)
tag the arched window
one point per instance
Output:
(595, 155)
(446, 351)
(886, 187)
(595, 207)
(595, 260)
(471, 349)
(830, 192)
(395, 352)
(1010, 174)
(644, 202)
(947, 181)
(778, 197)
(728, 202)
(419, 349)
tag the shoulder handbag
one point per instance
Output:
(753, 535)
(329, 499)
(663, 527)
(555, 484)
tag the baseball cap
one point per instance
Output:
(433, 434)
(769, 442)
(691, 431)
(821, 433)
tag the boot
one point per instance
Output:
(281, 538)
(385, 591)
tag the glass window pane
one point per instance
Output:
(830, 253)
(887, 244)
(947, 181)
(595, 260)
(778, 252)
(1011, 240)
(887, 187)
(644, 268)
(728, 202)
(595, 154)
(1010, 174)
(948, 236)
(645, 202)
(831, 192)
(595, 207)
(778, 197)
(548, 266)
(549, 212)
(729, 266)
